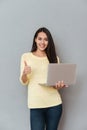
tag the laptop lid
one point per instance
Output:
(58, 72)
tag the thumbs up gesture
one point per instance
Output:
(27, 69)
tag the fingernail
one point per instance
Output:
(66, 86)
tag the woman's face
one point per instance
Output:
(41, 41)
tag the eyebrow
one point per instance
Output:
(41, 37)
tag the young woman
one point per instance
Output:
(45, 103)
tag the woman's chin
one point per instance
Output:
(42, 49)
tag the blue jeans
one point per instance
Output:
(41, 118)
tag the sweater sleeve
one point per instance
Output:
(58, 59)
(21, 70)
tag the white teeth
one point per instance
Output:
(42, 46)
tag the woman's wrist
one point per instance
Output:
(24, 77)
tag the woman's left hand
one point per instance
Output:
(59, 85)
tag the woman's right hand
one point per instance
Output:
(27, 69)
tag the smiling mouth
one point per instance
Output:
(42, 46)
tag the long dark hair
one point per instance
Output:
(50, 50)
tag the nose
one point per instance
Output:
(42, 41)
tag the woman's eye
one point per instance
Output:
(39, 38)
(46, 39)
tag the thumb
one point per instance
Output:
(25, 63)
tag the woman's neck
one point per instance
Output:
(39, 53)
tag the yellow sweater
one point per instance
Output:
(39, 96)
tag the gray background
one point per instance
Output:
(67, 21)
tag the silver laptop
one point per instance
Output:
(58, 72)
